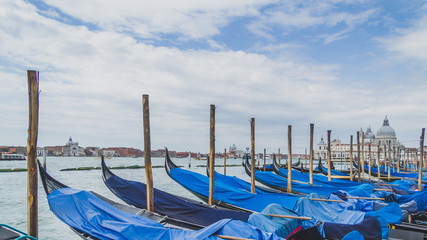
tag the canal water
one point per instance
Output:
(13, 186)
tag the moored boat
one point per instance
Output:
(7, 156)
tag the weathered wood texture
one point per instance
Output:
(147, 152)
(32, 202)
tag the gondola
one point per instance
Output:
(242, 184)
(266, 168)
(92, 217)
(199, 185)
(134, 193)
(305, 170)
(324, 170)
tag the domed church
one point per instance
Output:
(386, 135)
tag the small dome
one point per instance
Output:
(386, 130)
(369, 134)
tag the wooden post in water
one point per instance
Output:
(398, 159)
(379, 162)
(369, 163)
(389, 160)
(363, 154)
(329, 155)
(265, 157)
(358, 157)
(225, 161)
(252, 155)
(305, 159)
(279, 157)
(289, 159)
(44, 158)
(385, 158)
(351, 157)
(212, 156)
(393, 165)
(420, 170)
(147, 153)
(310, 170)
(32, 196)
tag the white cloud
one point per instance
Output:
(190, 18)
(92, 83)
(410, 43)
(291, 15)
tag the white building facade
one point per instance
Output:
(384, 140)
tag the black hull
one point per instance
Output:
(169, 165)
(50, 184)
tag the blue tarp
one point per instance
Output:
(320, 179)
(320, 211)
(272, 179)
(199, 184)
(333, 172)
(396, 174)
(85, 212)
(135, 194)
(280, 226)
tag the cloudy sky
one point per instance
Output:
(340, 64)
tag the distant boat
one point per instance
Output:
(202, 158)
(106, 157)
(7, 156)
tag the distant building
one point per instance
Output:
(385, 138)
(92, 151)
(233, 152)
(72, 149)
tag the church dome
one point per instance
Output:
(369, 134)
(386, 130)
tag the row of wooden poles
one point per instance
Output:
(32, 203)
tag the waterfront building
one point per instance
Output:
(72, 149)
(385, 138)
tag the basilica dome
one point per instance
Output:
(369, 134)
(386, 131)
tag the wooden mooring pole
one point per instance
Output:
(32, 202)
(358, 157)
(212, 156)
(389, 161)
(351, 157)
(147, 153)
(252, 155)
(370, 161)
(289, 188)
(379, 162)
(329, 155)
(420, 168)
(310, 170)
(225, 161)
(363, 154)
(265, 152)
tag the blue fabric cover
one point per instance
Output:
(392, 213)
(333, 172)
(199, 184)
(269, 178)
(87, 213)
(320, 179)
(397, 174)
(354, 235)
(320, 211)
(419, 197)
(356, 231)
(237, 183)
(280, 226)
(135, 194)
